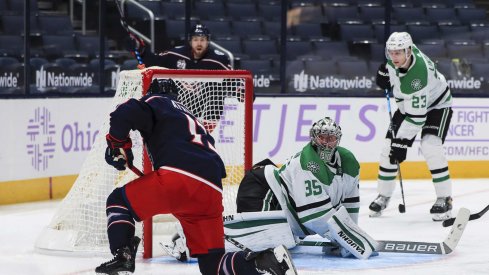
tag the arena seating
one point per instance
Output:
(343, 38)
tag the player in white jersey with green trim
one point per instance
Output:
(317, 189)
(424, 105)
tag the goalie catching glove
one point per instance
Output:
(118, 153)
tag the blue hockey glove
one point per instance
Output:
(118, 153)
(398, 150)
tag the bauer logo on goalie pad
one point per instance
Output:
(350, 242)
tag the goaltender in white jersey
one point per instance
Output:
(317, 189)
(424, 105)
(316, 192)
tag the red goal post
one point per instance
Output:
(241, 80)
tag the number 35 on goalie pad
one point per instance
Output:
(258, 230)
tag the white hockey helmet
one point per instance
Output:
(325, 136)
(399, 41)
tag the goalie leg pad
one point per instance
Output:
(120, 222)
(258, 230)
(350, 236)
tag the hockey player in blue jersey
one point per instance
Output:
(194, 55)
(186, 182)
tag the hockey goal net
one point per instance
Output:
(222, 100)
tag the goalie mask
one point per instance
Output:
(163, 86)
(325, 136)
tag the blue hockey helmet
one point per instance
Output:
(200, 30)
(163, 86)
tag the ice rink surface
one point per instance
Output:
(21, 224)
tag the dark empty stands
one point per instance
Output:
(11, 45)
(248, 27)
(172, 9)
(321, 67)
(409, 14)
(240, 10)
(233, 45)
(440, 14)
(257, 66)
(433, 49)
(269, 10)
(206, 10)
(463, 49)
(56, 25)
(353, 68)
(308, 30)
(421, 32)
(350, 32)
(256, 48)
(480, 69)
(471, 15)
(335, 14)
(298, 48)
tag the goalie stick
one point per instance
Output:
(442, 248)
(475, 216)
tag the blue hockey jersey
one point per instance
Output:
(181, 58)
(172, 135)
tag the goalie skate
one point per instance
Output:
(276, 262)
(378, 205)
(442, 209)
(123, 262)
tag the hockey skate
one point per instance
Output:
(442, 209)
(378, 205)
(275, 261)
(123, 262)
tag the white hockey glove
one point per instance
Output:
(344, 231)
(178, 248)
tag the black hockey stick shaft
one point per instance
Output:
(126, 27)
(402, 207)
(475, 216)
(249, 253)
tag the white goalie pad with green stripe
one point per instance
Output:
(258, 230)
(350, 236)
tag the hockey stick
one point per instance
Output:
(402, 207)
(442, 248)
(125, 26)
(447, 223)
(250, 254)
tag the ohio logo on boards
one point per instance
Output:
(41, 133)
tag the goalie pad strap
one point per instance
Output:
(350, 236)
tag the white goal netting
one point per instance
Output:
(220, 99)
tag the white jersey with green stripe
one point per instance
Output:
(418, 90)
(309, 191)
